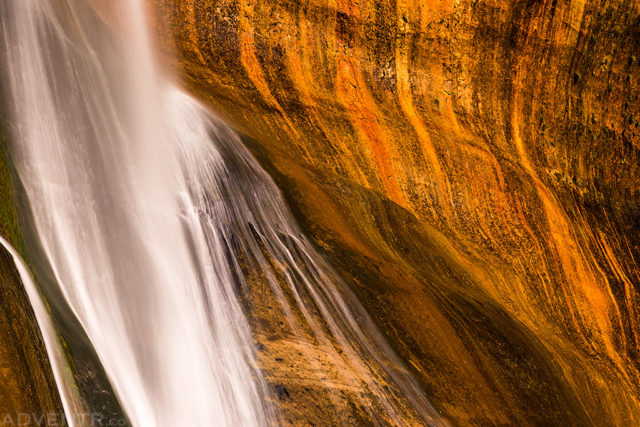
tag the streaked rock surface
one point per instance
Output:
(470, 167)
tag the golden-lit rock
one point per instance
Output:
(470, 167)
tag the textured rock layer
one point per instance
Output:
(470, 167)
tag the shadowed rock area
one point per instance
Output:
(471, 168)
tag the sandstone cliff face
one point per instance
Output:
(470, 167)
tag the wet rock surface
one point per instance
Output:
(471, 168)
(27, 387)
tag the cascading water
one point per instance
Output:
(150, 213)
(103, 184)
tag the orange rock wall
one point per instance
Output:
(471, 168)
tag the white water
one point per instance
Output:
(66, 387)
(137, 194)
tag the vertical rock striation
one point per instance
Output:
(471, 168)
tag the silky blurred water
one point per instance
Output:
(137, 192)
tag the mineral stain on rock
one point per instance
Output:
(470, 167)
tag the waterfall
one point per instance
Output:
(153, 217)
